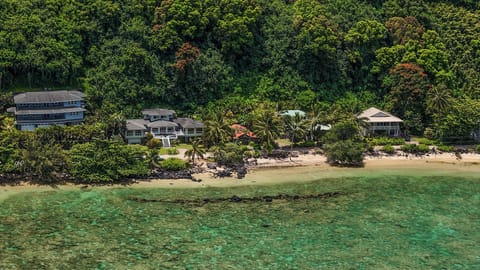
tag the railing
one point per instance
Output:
(50, 121)
(384, 128)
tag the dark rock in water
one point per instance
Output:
(84, 187)
(265, 225)
(164, 174)
(235, 198)
(241, 172)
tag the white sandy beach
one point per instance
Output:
(304, 168)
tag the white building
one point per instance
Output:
(163, 125)
(380, 123)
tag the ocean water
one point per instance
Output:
(377, 222)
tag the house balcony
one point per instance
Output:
(176, 133)
(383, 128)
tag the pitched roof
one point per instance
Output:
(188, 123)
(49, 96)
(49, 111)
(158, 112)
(161, 123)
(242, 131)
(292, 113)
(374, 115)
(136, 124)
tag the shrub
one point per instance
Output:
(153, 143)
(413, 148)
(386, 141)
(345, 153)
(388, 149)
(174, 164)
(477, 148)
(307, 144)
(445, 148)
(426, 141)
(230, 154)
(428, 133)
(344, 145)
(423, 148)
(172, 151)
(409, 148)
(106, 161)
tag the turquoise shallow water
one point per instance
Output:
(387, 222)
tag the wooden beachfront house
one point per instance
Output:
(164, 125)
(47, 108)
(380, 123)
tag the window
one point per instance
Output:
(169, 130)
(130, 133)
(199, 130)
(155, 130)
(190, 131)
(138, 133)
(163, 130)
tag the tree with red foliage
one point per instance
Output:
(408, 84)
(184, 56)
(404, 29)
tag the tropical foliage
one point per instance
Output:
(343, 145)
(106, 161)
(235, 62)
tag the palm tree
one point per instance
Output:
(439, 99)
(267, 127)
(216, 130)
(361, 124)
(8, 124)
(295, 128)
(42, 161)
(152, 158)
(198, 150)
(315, 119)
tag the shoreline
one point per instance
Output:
(304, 168)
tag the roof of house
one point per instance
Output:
(49, 96)
(242, 131)
(292, 113)
(158, 112)
(162, 123)
(323, 127)
(136, 124)
(188, 123)
(374, 115)
(49, 111)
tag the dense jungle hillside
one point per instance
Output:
(419, 59)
